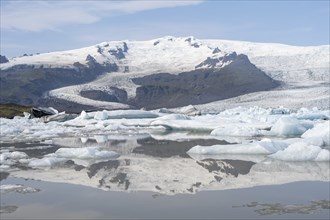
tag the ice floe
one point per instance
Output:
(242, 127)
(46, 162)
(288, 126)
(236, 131)
(321, 133)
(302, 152)
(265, 146)
(9, 158)
(17, 188)
(80, 154)
(85, 153)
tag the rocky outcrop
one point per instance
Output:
(3, 59)
(112, 94)
(28, 85)
(39, 112)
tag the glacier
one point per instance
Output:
(109, 75)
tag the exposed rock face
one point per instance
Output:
(112, 94)
(40, 112)
(3, 59)
(201, 85)
(27, 85)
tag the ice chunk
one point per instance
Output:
(10, 158)
(17, 188)
(46, 162)
(320, 132)
(85, 153)
(100, 138)
(273, 145)
(117, 114)
(313, 114)
(324, 155)
(16, 155)
(288, 126)
(84, 115)
(174, 117)
(83, 140)
(103, 115)
(265, 146)
(189, 110)
(280, 111)
(228, 149)
(302, 151)
(236, 131)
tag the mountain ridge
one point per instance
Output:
(105, 75)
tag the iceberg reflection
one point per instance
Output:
(164, 167)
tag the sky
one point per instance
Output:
(34, 26)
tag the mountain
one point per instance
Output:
(3, 59)
(164, 72)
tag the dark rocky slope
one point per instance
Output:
(201, 85)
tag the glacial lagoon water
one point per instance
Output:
(157, 179)
(243, 163)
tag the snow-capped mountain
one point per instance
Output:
(164, 72)
(164, 55)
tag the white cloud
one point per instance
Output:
(52, 15)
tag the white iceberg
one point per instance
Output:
(288, 126)
(103, 115)
(174, 117)
(320, 133)
(302, 151)
(265, 146)
(85, 153)
(117, 114)
(236, 131)
(10, 158)
(17, 188)
(46, 162)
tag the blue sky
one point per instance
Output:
(43, 26)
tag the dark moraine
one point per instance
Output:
(113, 94)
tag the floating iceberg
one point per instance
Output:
(288, 126)
(9, 158)
(46, 162)
(302, 152)
(17, 188)
(85, 153)
(320, 132)
(265, 146)
(236, 131)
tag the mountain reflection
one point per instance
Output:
(164, 167)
